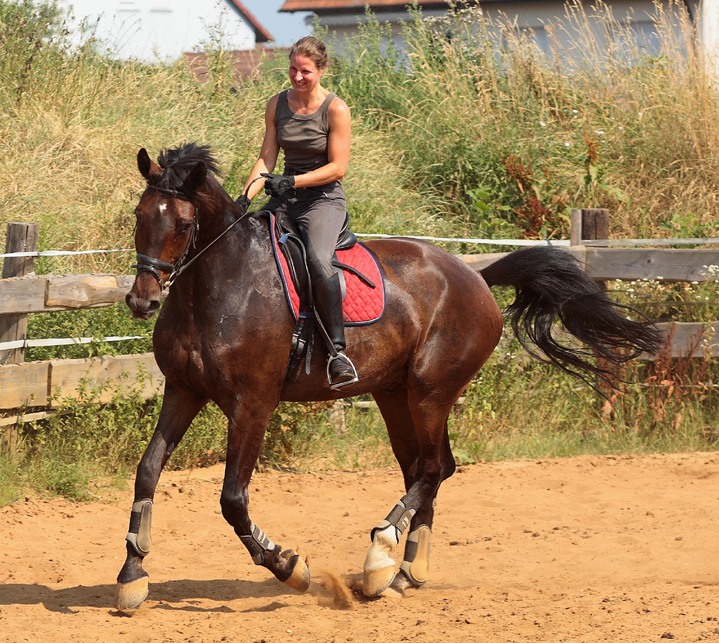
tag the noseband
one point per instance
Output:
(153, 265)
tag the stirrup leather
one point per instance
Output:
(332, 358)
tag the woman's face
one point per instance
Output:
(304, 74)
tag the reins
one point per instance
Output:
(152, 265)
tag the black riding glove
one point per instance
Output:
(243, 203)
(277, 184)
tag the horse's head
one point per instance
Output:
(166, 224)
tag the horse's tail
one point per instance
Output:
(551, 286)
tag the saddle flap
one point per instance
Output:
(365, 299)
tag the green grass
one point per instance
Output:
(480, 135)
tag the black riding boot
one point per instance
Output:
(328, 304)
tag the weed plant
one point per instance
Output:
(509, 137)
(477, 134)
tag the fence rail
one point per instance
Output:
(48, 293)
(44, 384)
(38, 386)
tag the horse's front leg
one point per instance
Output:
(179, 408)
(246, 431)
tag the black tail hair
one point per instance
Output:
(551, 286)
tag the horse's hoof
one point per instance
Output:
(129, 596)
(299, 579)
(400, 583)
(378, 580)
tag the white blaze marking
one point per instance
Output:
(163, 207)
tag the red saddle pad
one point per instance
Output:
(363, 304)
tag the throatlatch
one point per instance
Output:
(257, 544)
(138, 535)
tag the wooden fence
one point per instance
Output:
(30, 390)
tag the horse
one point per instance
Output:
(225, 330)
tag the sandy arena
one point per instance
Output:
(584, 549)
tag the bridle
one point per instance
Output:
(154, 266)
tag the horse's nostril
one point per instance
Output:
(141, 308)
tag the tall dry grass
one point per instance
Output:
(482, 134)
(73, 121)
(510, 137)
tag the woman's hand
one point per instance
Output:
(278, 184)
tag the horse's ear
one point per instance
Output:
(196, 178)
(147, 168)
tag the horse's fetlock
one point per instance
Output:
(258, 544)
(399, 518)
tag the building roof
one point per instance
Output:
(261, 34)
(323, 6)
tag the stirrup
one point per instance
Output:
(336, 385)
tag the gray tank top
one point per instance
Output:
(303, 137)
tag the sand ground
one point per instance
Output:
(583, 549)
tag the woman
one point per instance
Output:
(312, 126)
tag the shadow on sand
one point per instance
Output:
(166, 595)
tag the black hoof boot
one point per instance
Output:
(340, 371)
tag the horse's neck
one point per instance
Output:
(229, 243)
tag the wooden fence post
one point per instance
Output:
(592, 224)
(21, 237)
(589, 224)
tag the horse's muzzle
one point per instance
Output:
(141, 307)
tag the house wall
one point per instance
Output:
(152, 30)
(710, 33)
(526, 15)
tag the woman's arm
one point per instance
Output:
(269, 151)
(338, 148)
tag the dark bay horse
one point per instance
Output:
(224, 335)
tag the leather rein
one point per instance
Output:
(155, 266)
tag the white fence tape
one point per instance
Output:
(64, 341)
(493, 242)
(61, 253)
(488, 242)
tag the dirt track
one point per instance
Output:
(587, 549)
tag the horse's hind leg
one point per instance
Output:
(246, 431)
(179, 408)
(379, 566)
(414, 569)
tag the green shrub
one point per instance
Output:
(480, 135)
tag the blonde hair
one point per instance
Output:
(313, 49)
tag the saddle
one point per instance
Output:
(360, 278)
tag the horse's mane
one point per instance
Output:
(178, 162)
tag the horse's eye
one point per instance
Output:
(184, 227)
